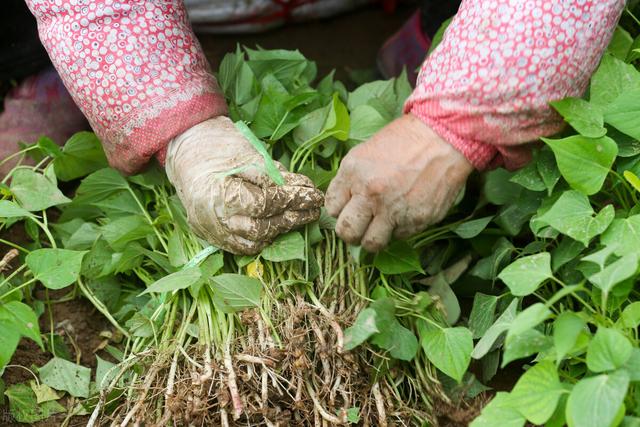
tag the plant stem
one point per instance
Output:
(101, 307)
(28, 282)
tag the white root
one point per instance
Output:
(224, 418)
(236, 400)
(151, 376)
(264, 387)
(332, 393)
(334, 325)
(208, 367)
(126, 364)
(172, 375)
(323, 412)
(298, 397)
(7, 258)
(326, 367)
(254, 360)
(377, 395)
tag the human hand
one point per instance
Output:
(229, 199)
(403, 179)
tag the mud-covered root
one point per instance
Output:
(304, 380)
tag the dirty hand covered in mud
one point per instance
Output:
(230, 201)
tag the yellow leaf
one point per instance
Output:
(255, 269)
(633, 179)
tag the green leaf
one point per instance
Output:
(81, 155)
(83, 238)
(24, 406)
(361, 330)
(608, 350)
(364, 94)
(285, 65)
(120, 203)
(449, 349)
(270, 166)
(524, 345)
(34, 191)
(9, 339)
(623, 112)
(499, 413)
(594, 155)
(179, 280)
(440, 287)
(537, 392)
(630, 317)
(399, 341)
(353, 415)
(471, 229)
(623, 235)
(482, 313)
(55, 268)
(548, 169)
(176, 249)
(104, 373)
(366, 120)
(500, 326)
(234, 292)
(286, 247)
(122, 231)
(632, 365)
(616, 272)
(100, 185)
(595, 401)
(566, 329)
(10, 209)
(66, 376)
(498, 188)
(584, 117)
(529, 177)
(49, 147)
(612, 78)
(527, 319)
(573, 216)
(620, 43)
(399, 257)
(524, 275)
(565, 252)
(22, 318)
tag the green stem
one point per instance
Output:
(13, 245)
(101, 307)
(51, 328)
(148, 218)
(628, 11)
(27, 283)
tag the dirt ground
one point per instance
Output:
(344, 43)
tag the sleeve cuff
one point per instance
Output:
(148, 132)
(480, 154)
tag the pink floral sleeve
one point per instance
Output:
(486, 88)
(135, 69)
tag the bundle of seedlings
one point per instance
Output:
(308, 332)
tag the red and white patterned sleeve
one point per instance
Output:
(135, 69)
(486, 88)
